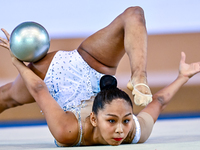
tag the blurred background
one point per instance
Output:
(173, 26)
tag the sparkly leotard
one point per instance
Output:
(71, 81)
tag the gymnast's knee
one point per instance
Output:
(8, 104)
(12, 103)
(6, 100)
(134, 14)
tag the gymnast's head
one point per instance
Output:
(112, 112)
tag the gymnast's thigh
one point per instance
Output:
(106, 46)
(40, 67)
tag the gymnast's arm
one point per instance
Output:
(148, 116)
(63, 125)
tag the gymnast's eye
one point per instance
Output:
(111, 121)
(126, 121)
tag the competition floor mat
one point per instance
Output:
(173, 134)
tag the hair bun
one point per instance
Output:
(107, 82)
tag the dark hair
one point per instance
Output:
(108, 93)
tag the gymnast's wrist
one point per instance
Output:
(183, 78)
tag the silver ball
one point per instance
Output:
(29, 41)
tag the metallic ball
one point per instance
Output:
(29, 41)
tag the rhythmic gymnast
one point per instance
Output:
(78, 108)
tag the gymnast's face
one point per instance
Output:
(115, 121)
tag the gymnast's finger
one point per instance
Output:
(4, 45)
(183, 57)
(3, 40)
(6, 33)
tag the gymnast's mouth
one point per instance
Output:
(117, 139)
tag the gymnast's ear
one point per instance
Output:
(93, 119)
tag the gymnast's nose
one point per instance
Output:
(119, 128)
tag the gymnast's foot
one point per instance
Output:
(140, 91)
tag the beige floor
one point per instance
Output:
(171, 134)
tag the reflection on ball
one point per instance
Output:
(29, 41)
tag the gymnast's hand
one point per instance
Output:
(188, 70)
(141, 92)
(5, 43)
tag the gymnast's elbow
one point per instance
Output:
(37, 88)
(160, 100)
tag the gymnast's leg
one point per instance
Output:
(127, 33)
(15, 93)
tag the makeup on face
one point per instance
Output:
(117, 139)
(115, 121)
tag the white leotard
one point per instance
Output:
(70, 79)
(138, 130)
